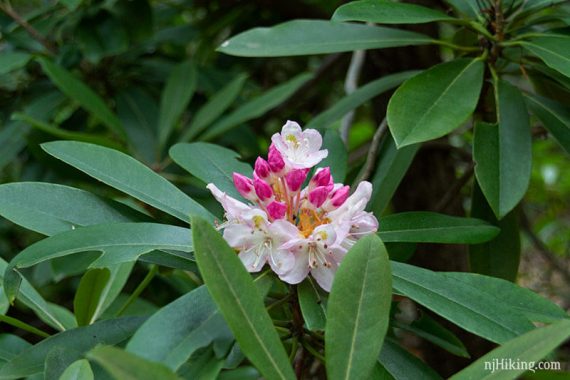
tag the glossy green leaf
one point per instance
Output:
(211, 163)
(337, 159)
(431, 227)
(360, 96)
(128, 175)
(470, 307)
(176, 95)
(554, 50)
(530, 347)
(521, 300)
(392, 165)
(554, 116)
(304, 37)
(403, 365)
(442, 98)
(194, 322)
(78, 91)
(503, 154)
(233, 290)
(257, 106)
(79, 370)
(500, 256)
(88, 295)
(10, 61)
(215, 107)
(82, 339)
(123, 365)
(313, 305)
(49, 208)
(388, 12)
(358, 310)
(11, 346)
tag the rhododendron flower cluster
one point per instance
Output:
(295, 230)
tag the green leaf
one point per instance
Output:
(523, 301)
(257, 106)
(304, 37)
(78, 91)
(554, 50)
(503, 154)
(10, 61)
(388, 12)
(530, 347)
(79, 370)
(123, 365)
(82, 339)
(313, 305)
(360, 96)
(233, 290)
(176, 95)
(392, 165)
(11, 346)
(499, 257)
(49, 208)
(12, 141)
(442, 98)
(211, 163)
(358, 310)
(402, 365)
(193, 322)
(554, 116)
(128, 175)
(470, 307)
(431, 227)
(215, 107)
(88, 295)
(337, 159)
(469, 8)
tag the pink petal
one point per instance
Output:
(277, 210)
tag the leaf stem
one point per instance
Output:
(142, 286)
(314, 352)
(23, 326)
(456, 47)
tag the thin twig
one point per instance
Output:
(350, 85)
(7, 8)
(455, 189)
(558, 264)
(369, 165)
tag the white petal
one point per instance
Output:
(251, 261)
(291, 128)
(233, 208)
(279, 144)
(299, 271)
(283, 231)
(324, 275)
(281, 261)
(313, 138)
(238, 236)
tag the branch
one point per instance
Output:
(350, 85)
(33, 32)
(369, 165)
(455, 189)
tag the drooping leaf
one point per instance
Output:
(431, 227)
(358, 310)
(500, 256)
(442, 98)
(503, 153)
(128, 175)
(88, 295)
(10, 61)
(304, 37)
(388, 12)
(554, 50)
(554, 116)
(123, 365)
(211, 163)
(402, 365)
(530, 347)
(214, 108)
(176, 95)
(194, 322)
(313, 305)
(256, 107)
(49, 208)
(79, 370)
(360, 96)
(78, 91)
(82, 339)
(233, 290)
(468, 306)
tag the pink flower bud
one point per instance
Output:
(295, 179)
(277, 210)
(244, 185)
(262, 168)
(319, 195)
(322, 178)
(275, 160)
(340, 196)
(262, 189)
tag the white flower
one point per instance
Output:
(299, 149)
